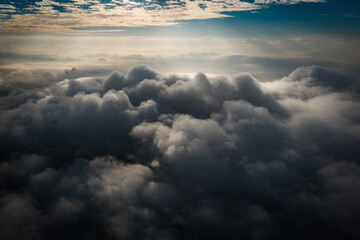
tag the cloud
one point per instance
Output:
(25, 57)
(71, 16)
(148, 156)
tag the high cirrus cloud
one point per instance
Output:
(79, 15)
(146, 156)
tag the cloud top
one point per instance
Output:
(147, 156)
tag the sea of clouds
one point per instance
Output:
(148, 156)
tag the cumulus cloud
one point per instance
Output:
(149, 156)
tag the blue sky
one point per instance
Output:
(333, 18)
(266, 38)
(296, 15)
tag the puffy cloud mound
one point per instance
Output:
(146, 156)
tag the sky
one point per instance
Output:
(179, 119)
(267, 38)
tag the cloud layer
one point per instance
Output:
(147, 156)
(75, 15)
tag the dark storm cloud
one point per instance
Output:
(145, 156)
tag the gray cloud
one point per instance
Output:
(26, 57)
(146, 156)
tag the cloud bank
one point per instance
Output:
(147, 156)
(95, 15)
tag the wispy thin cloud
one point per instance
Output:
(51, 16)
